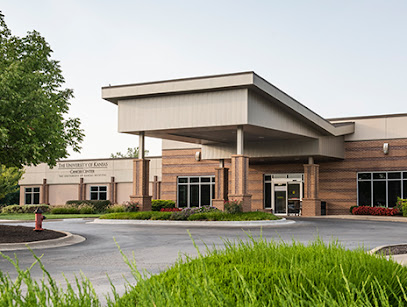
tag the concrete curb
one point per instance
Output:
(400, 258)
(197, 223)
(374, 250)
(69, 239)
(359, 217)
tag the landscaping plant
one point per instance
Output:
(115, 208)
(97, 205)
(266, 273)
(367, 210)
(159, 204)
(24, 209)
(252, 272)
(402, 206)
(131, 206)
(26, 291)
(233, 206)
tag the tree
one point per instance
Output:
(9, 177)
(32, 103)
(131, 153)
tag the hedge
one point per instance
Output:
(97, 205)
(366, 210)
(24, 208)
(158, 204)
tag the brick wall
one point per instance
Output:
(338, 182)
(181, 162)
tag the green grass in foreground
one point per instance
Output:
(255, 272)
(31, 216)
(261, 273)
(207, 216)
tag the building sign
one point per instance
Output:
(83, 169)
(70, 172)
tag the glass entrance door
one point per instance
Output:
(280, 198)
(294, 192)
(283, 193)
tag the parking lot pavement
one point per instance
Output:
(156, 247)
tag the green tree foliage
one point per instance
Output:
(33, 128)
(131, 153)
(9, 177)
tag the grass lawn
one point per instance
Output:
(31, 216)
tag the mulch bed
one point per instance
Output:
(393, 250)
(21, 234)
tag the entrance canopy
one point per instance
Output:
(226, 114)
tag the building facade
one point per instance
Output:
(238, 137)
(96, 179)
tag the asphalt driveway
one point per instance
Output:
(157, 247)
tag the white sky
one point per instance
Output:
(339, 58)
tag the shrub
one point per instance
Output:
(32, 208)
(351, 208)
(207, 216)
(161, 216)
(143, 215)
(65, 210)
(181, 215)
(24, 209)
(158, 204)
(76, 202)
(12, 209)
(204, 209)
(402, 206)
(86, 209)
(130, 206)
(366, 210)
(233, 206)
(115, 208)
(98, 205)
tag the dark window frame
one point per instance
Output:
(99, 191)
(191, 182)
(33, 194)
(375, 178)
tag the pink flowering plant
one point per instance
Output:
(131, 206)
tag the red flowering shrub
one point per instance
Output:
(170, 209)
(366, 210)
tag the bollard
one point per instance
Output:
(38, 220)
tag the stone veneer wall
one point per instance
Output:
(338, 179)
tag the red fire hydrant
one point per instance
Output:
(38, 220)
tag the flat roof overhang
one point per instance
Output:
(208, 110)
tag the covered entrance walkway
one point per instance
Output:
(238, 118)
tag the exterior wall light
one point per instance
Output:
(198, 156)
(386, 148)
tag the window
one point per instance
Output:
(195, 191)
(98, 193)
(381, 188)
(32, 196)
